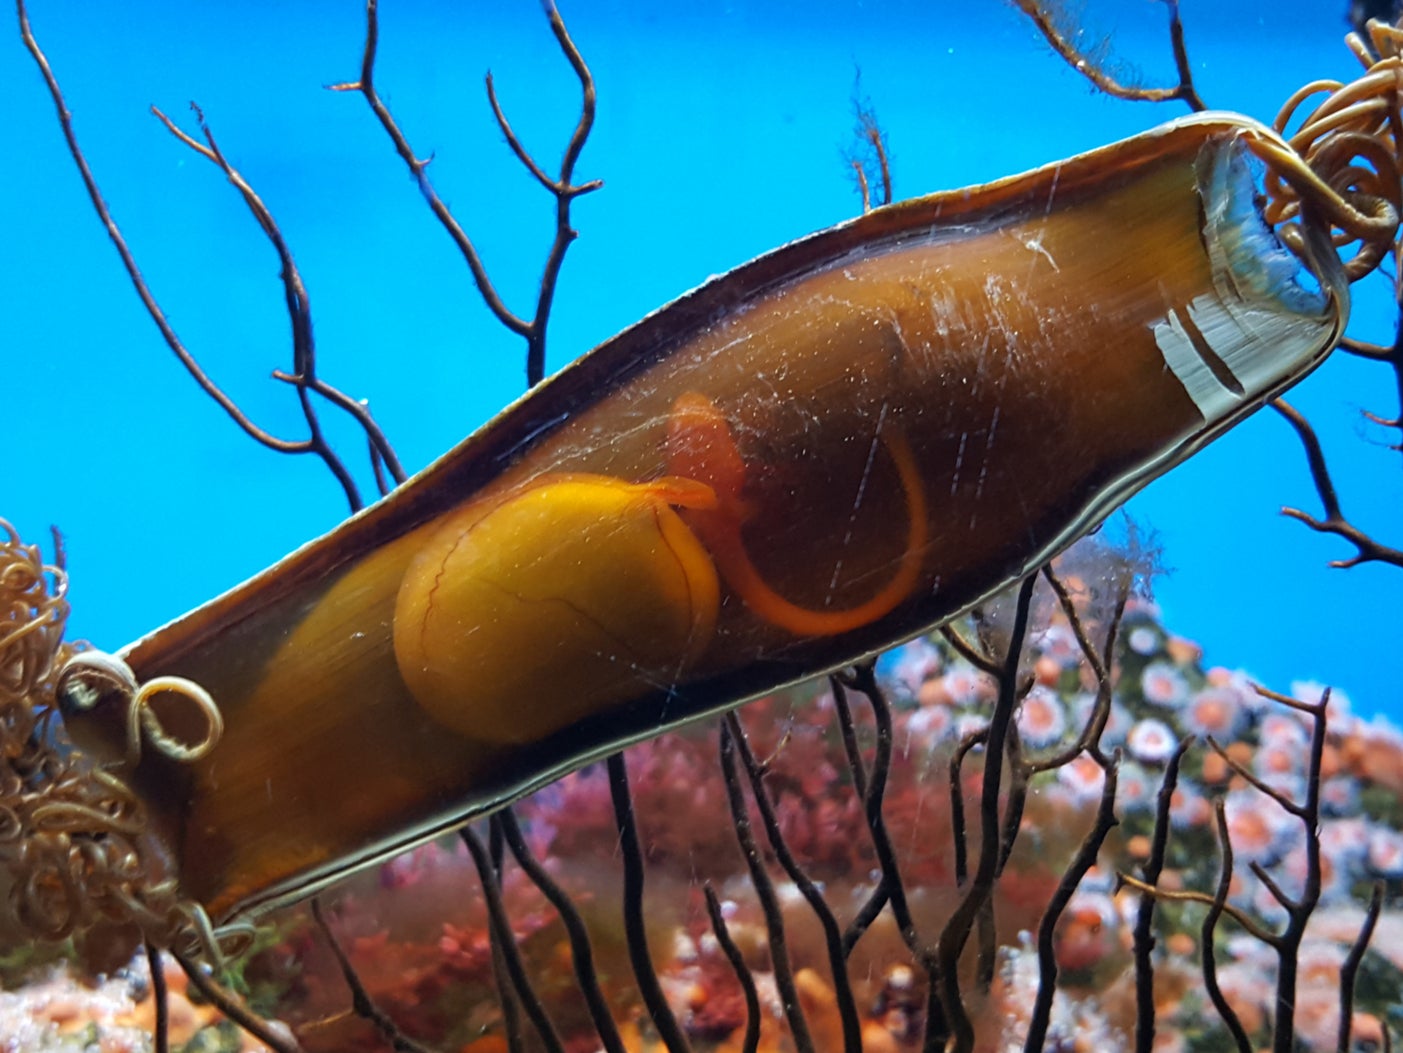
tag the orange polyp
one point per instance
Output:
(700, 446)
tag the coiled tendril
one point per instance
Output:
(75, 852)
(1339, 169)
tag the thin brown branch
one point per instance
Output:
(143, 290)
(1192, 896)
(981, 886)
(1041, 16)
(862, 188)
(1367, 550)
(1349, 971)
(1308, 708)
(765, 893)
(1218, 905)
(298, 302)
(1366, 350)
(1151, 870)
(564, 190)
(968, 651)
(1270, 791)
(361, 1002)
(359, 410)
(869, 158)
(417, 168)
(1100, 662)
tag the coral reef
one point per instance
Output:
(418, 933)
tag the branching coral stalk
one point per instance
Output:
(750, 1042)
(232, 1007)
(981, 886)
(1218, 905)
(1299, 908)
(304, 358)
(504, 942)
(1046, 17)
(837, 953)
(361, 1003)
(1084, 860)
(1350, 969)
(582, 954)
(73, 844)
(562, 188)
(1151, 871)
(1367, 550)
(765, 893)
(635, 928)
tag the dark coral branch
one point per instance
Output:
(848, 730)
(968, 651)
(864, 679)
(565, 192)
(1084, 860)
(875, 903)
(1100, 663)
(417, 168)
(1367, 550)
(234, 1009)
(1218, 905)
(299, 309)
(635, 927)
(751, 1040)
(1151, 869)
(833, 938)
(581, 952)
(1246, 775)
(361, 1002)
(1288, 945)
(160, 995)
(315, 444)
(765, 893)
(1039, 11)
(358, 410)
(504, 939)
(981, 886)
(1349, 971)
(1020, 773)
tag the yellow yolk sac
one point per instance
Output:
(567, 593)
(833, 448)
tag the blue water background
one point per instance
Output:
(720, 134)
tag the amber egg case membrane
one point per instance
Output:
(1043, 346)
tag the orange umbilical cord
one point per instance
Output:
(701, 447)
